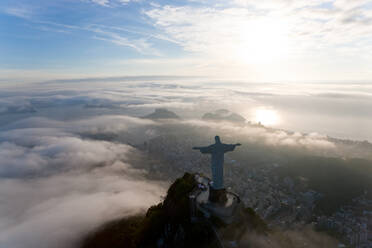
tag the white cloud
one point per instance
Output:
(140, 45)
(124, 1)
(41, 126)
(313, 141)
(203, 29)
(54, 181)
(108, 3)
(274, 36)
(22, 11)
(69, 205)
(72, 203)
(101, 2)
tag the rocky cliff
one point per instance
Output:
(169, 224)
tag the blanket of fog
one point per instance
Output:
(62, 174)
(55, 185)
(341, 110)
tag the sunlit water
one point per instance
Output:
(337, 110)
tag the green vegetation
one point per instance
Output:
(174, 212)
(118, 233)
(255, 222)
(168, 221)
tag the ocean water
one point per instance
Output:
(342, 110)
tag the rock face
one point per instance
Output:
(175, 223)
(224, 115)
(162, 113)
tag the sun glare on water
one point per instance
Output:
(266, 117)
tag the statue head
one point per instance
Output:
(217, 139)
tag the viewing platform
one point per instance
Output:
(226, 211)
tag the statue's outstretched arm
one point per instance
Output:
(231, 147)
(198, 147)
(203, 149)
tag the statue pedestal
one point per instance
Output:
(217, 195)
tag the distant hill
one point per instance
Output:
(162, 113)
(224, 115)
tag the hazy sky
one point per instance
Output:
(267, 40)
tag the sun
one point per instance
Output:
(266, 117)
(263, 42)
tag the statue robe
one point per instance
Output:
(217, 151)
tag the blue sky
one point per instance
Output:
(47, 34)
(270, 40)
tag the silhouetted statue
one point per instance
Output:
(217, 150)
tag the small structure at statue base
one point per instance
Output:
(217, 195)
(223, 210)
(218, 203)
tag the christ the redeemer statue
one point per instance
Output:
(217, 150)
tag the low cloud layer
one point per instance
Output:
(270, 137)
(58, 210)
(71, 164)
(56, 186)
